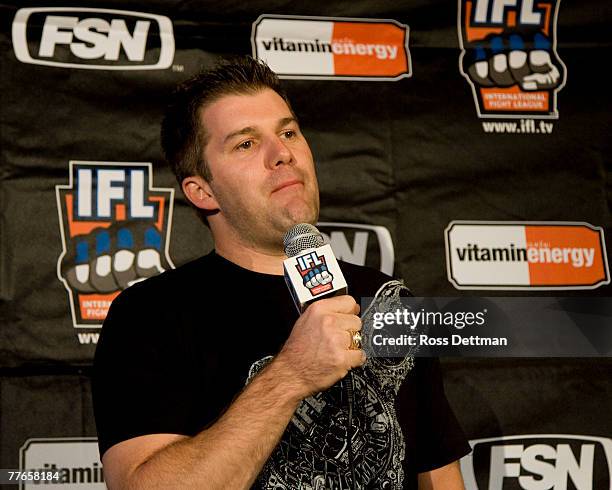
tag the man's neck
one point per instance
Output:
(266, 262)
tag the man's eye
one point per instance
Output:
(245, 145)
(290, 133)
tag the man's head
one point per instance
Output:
(236, 149)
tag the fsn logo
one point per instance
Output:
(93, 38)
(360, 244)
(315, 273)
(539, 462)
(115, 229)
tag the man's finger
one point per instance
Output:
(349, 322)
(356, 358)
(340, 304)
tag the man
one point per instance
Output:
(206, 377)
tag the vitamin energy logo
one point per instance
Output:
(528, 255)
(74, 459)
(329, 48)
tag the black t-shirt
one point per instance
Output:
(176, 349)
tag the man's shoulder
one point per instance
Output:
(150, 303)
(363, 281)
(171, 282)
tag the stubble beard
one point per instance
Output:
(265, 230)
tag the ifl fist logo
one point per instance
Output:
(315, 275)
(115, 230)
(509, 57)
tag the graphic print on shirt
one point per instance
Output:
(313, 452)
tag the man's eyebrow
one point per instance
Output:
(240, 132)
(250, 129)
(287, 120)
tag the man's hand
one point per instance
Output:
(317, 354)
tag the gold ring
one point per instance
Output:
(355, 340)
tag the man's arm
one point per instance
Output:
(445, 478)
(231, 452)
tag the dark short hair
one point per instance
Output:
(182, 136)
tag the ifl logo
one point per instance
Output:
(509, 58)
(315, 275)
(115, 231)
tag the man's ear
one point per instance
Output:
(199, 192)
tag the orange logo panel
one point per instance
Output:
(565, 255)
(379, 49)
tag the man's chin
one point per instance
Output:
(291, 219)
(306, 215)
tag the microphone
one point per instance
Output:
(312, 273)
(311, 269)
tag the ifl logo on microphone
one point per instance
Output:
(509, 57)
(115, 229)
(314, 272)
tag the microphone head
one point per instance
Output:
(301, 237)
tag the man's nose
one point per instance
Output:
(279, 153)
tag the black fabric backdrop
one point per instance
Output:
(409, 155)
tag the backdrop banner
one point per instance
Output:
(462, 146)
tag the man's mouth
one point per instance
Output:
(287, 184)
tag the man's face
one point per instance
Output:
(263, 175)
